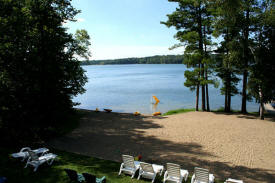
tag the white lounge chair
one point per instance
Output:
(229, 180)
(36, 161)
(175, 174)
(202, 175)
(23, 153)
(129, 166)
(150, 171)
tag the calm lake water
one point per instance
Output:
(129, 88)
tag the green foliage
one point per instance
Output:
(82, 39)
(262, 79)
(178, 111)
(192, 79)
(241, 25)
(165, 59)
(39, 73)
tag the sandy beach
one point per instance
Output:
(229, 145)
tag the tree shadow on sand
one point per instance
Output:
(268, 116)
(107, 136)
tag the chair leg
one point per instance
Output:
(154, 178)
(161, 172)
(121, 166)
(35, 168)
(50, 161)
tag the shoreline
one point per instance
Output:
(174, 111)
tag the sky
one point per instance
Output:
(126, 28)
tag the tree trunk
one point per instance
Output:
(229, 94)
(202, 90)
(244, 92)
(198, 92)
(201, 52)
(207, 96)
(261, 104)
(246, 57)
(225, 98)
(205, 70)
(262, 111)
(197, 97)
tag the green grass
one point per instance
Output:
(177, 111)
(15, 172)
(221, 109)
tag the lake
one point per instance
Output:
(129, 88)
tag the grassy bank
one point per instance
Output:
(220, 110)
(177, 111)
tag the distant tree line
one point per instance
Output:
(246, 29)
(158, 59)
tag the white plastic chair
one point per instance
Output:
(149, 171)
(175, 174)
(202, 175)
(129, 166)
(23, 153)
(36, 161)
(229, 180)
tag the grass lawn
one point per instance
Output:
(14, 169)
(220, 110)
(177, 111)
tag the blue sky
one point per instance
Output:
(126, 28)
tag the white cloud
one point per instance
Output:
(115, 52)
(80, 20)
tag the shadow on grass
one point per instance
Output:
(103, 135)
(15, 172)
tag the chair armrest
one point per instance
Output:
(29, 159)
(165, 175)
(24, 149)
(193, 178)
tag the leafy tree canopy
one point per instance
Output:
(39, 71)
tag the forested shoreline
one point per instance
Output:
(40, 67)
(241, 36)
(158, 59)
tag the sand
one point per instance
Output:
(235, 146)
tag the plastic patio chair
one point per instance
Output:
(202, 175)
(129, 166)
(89, 178)
(23, 153)
(150, 171)
(74, 176)
(35, 160)
(175, 174)
(229, 180)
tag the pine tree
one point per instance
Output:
(190, 20)
(261, 82)
(226, 25)
(248, 10)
